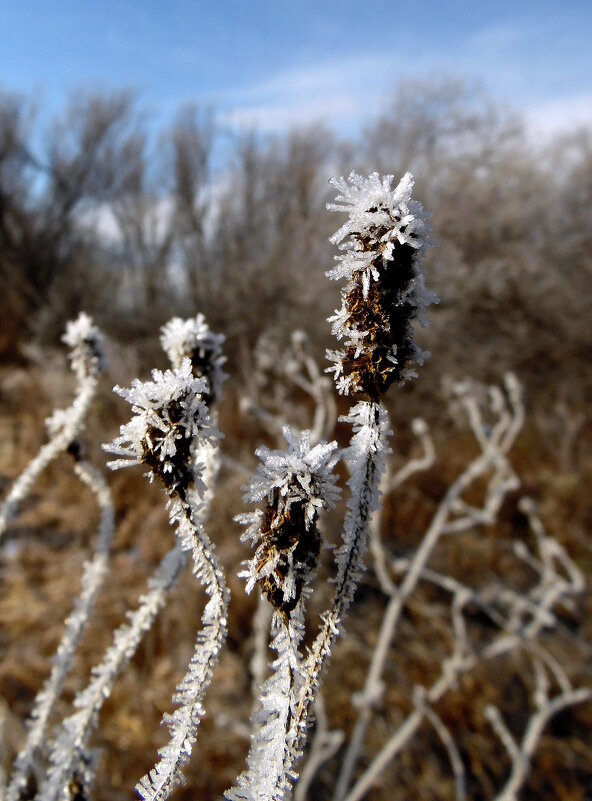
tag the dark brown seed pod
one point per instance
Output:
(384, 242)
(296, 484)
(287, 556)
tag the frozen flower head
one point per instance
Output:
(87, 348)
(170, 422)
(192, 339)
(296, 484)
(383, 243)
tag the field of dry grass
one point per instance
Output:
(46, 545)
(248, 247)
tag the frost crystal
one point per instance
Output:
(383, 244)
(170, 421)
(297, 483)
(87, 348)
(170, 430)
(265, 778)
(192, 339)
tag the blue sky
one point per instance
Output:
(283, 62)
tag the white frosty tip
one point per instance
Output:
(87, 347)
(193, 339)
(385, 215)
(168, 411)
(301, 474)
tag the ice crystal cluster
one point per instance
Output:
(193, 339)
(87, 359)
(170, 421)
(171, 427)
(265, 778)
(383, 243)
(296, 484)
(87, 347)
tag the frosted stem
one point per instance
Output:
(87, 361)
(265, 778)
(365, 460)
(59, 441)
(183, 723)
(92, 579)
(494, 448)
(70, 745)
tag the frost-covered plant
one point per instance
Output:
(514, 619)
(171, 423)
(384, 242)
(87, 347)
(92, 579)
(88, 362)
(192, 339)
(295, 485)
(171, 433)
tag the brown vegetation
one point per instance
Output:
(247, 246)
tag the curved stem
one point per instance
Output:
(70, 745)
(72, 418)
(366, 461)
(183, 723)
(92, 579)
(493, 456)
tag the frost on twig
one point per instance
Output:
(383, 244)
(324, 745)
(365, 458)
(390, 482)
(92, 578)
(265, 777)
(171, 424)
(518, 619)
(272, 384)
(295, 485)
(452, 515)
(70, 747)
(546, 707)
(173, 435)
(88, 363)
(87, 360)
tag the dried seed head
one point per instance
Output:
(170, 422)
(87, 347)
(192, 339)
(296, 484)
(384, 242)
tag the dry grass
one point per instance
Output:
(48, 542)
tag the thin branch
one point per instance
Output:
(92, 578)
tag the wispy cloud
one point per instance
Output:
(559, 116)
(340, 94)
(505, 57)
(317, 77)
(277, 118)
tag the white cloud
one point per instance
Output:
(558, 116)
(346, 93)
(101, 220)
(342, 94)
(275, 118)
